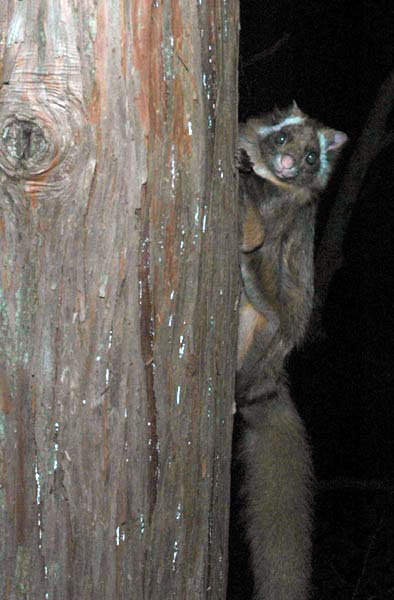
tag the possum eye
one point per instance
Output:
(311, 157)
(280, 139)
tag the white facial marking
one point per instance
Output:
(267, 129)
(324, 165)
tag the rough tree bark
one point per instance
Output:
(118, 291)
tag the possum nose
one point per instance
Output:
(287, 161)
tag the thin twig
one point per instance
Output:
(267, 52)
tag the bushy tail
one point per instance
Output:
(278, 480)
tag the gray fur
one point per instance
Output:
(277, 273)
(278, 490)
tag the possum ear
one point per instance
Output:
(335, 139)
(295, 110)
(276, 115)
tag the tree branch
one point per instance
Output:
(373, 138)
(266, 52)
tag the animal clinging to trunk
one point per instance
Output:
(285, 159)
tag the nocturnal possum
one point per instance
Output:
(285, 159)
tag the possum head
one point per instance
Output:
(289, 149)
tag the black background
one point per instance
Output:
(332, 58)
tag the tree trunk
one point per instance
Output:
(118, 294)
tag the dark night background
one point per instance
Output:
(332, 58)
